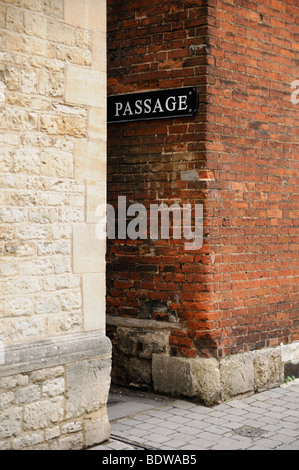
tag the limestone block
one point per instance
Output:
(71, 110)
(2, 314)
(28, 81)
(290, 352)
(24, 198)
(47, 374)
(88, 251)
(61, 282)
(44, 413)
(139, 372)
(143, 344)
(19, 306)
(14, 381)
(27, 161)
(97, 428)
(73, 442)
(43, 215)
(15, 20)
(27, 394)
(24, 329)
(52, 199)
(74, 55)
(8, 139)
(57, 163)
(2, 16)
(13, 215)
(89, 14)
(171, 375)
(268, 369)
(45, 356)
(10, 422)
(237, 375)
(6, 399)
(17, 119)
(70, 214)
(94, 301)
(53, 8)
(97, 127)
(36, 267)
(99, 53)
(90, 161)
(62, 265)
(57, 247)
(27, 441)
(8, 269)
(65, 323)
(72, 427)
(47, 304)
(5, 445)
(30, 45)
(197, 378)
(35, 5)
(88, 385)
(71, 300)
(60, 32)
(83, 38)
(84, 86)
(6, 233)
(52, 433)
(76, 200)
(10, 77)
(95, 196)
(22, 286)
(63, 125)
(36, 140)
(6, 160)
(35, 25)
(44, 446)
(51, 84)
(64, 143)
(206, 380)
(53, 387)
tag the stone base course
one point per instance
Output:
(215, 381)
(53, 393)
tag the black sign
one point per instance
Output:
(150, 105)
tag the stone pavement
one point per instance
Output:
(264, 421)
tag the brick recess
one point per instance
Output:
(240, 291)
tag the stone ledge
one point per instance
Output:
(27, 357)
(143, 324)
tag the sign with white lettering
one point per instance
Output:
(161, 104)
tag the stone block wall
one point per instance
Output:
(52, 178)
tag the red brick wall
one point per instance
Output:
(240, 291)
(252, 150)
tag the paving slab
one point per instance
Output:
(265, 421)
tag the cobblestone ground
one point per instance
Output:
(264, 421)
